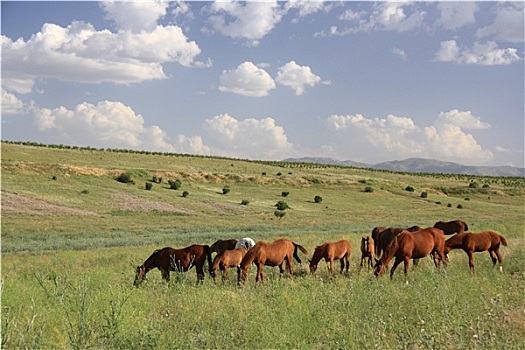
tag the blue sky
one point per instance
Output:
(362, 81)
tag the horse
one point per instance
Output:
(245, 243)
(452, 227)
(222, 245)
(367, 250)
(225, 260)
(168, 259)
(270, 254)
(411, 245)
(478, 242)
(382, 236)
(330, 251)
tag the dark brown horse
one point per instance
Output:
(270, 254)
(383, 237)
(411, 245)
(330, 251)
(477, 242)
(222, 245)
(452, 227)
(169, 259)
(226, 260)
(367, 250)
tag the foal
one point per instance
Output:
(367, 251)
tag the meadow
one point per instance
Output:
(72, 236)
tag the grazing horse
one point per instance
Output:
(222, 245)
(225, 260)
(270, 254)
(477, 242)
(330, 251)
(169, 259)
(383, 237)
(452, 227)
(367, 250)
(245, 243)
(411, 245)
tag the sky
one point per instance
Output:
(362, 81)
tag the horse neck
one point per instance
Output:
(454, 241)
(248, 259)
(318, 255)
(151, 262)
(389, 251)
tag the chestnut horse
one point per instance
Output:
(330, 251)
(169, 259)
(225, 260)
(452, 227)
(270, 254)
(383, 236)
(367, 250)
(222, 245)
(477, 242)
(411, 245)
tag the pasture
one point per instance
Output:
(72, 237)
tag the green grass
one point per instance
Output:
(67, 275)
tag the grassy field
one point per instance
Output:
(72, 236)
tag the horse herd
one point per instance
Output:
(402, 244)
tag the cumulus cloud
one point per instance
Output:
(11, 104)
(249, 20)
(192, 145)
(247, 79)
(136, 15)
(401, 137)
(296, 77)
(508, 24)
(79, 53)
(106, 124)
(454, 15)
(400, 53)
(487, 54)
(249, 138)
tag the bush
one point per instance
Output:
(318, 199)
(459, 206)
(185, 194)
(424, 194)
(225, 190)
(157, 179)
(54, 177)
(282, 205)
(149, 186)
(174, 185)
(285, 193)
(125, 178)
(409, 189)
(245, 202)
(473, 185)
(279, 214)
(485, 186)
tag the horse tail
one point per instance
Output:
(301, 248)
(503, 240)
(207, 250)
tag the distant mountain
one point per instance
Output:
(420, 165)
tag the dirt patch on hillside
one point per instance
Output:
(15, 203)
(129, 202)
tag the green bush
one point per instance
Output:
(369, 189)
(424, 194)
(409, 189)
(185, 194)
(245, 202)
(473, 185)
(318, 199)
(125, 178)
(174, 184)
(459, 206)
(279, 214)
(149, 186)
(225, 190)
(285, 193)
(282, 205)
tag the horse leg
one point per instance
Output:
(498, 255)
(362, 261)
(347, 262)
(259, 274)
(224, 274)
(396, 263)
(471, 261)
(165, 274)
(407, 262)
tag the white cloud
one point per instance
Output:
(296, 77)
(135, 15)
(400, 53)
(401, 137)
(11, 104)
(250, 20)
(248, 80)
(249, 138)
(508, 24)
(106, 124)
(79, 53)
(192, 145)
(487, 54)
(454, 15)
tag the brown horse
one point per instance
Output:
(452, 227)
(222, 245)
(270, 254)
(411, 245)
(225, 260)
(169, 259)
(383, 237)
(330, 251)
(478, 242)
(367, 250)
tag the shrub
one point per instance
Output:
(264, 173)
(282, 205)
(449, 205)
(318, 199)
(84, 192)
(279, 174)
(459, 206)
(409, 189)
(285, 193)
(245, 202)
(369, 189)
(54, 177)
(362, 181)
(185, 194)
(125, 178)
(149, 186)
(225, 190)
(485, 186)
(473, 185)
(279, 214)
(424, 194)
(157, 179)
(467, 199)
(174, 185)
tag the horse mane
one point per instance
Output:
(390, 250)
(249, 257)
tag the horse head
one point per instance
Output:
(313, 267)
(379, 268)
(140, 273)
